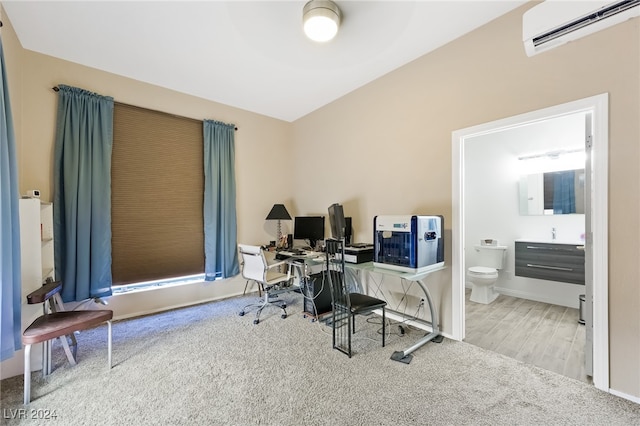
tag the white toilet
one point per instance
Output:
(484, 276)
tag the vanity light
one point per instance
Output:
(321, 19)
(552, 161)
(551, 154)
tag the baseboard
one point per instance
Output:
(448, 335)
(534, 297)
(422, 325)
(625, 396)
(176, 306)
(397, 317)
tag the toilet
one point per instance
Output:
(484, 276)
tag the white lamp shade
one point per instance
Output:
(321, 19)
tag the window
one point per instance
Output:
(156, 196)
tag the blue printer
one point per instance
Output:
(408, 243)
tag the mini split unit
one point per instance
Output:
(556, 22)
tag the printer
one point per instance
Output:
(408, 243)
(358, 253)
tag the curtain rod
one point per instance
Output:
(56, 89)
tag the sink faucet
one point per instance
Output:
(553, 234)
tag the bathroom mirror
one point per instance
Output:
(560, 192)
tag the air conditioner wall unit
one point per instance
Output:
(556, 22)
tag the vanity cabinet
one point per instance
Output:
(550, 261)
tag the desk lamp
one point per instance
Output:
(278, 212)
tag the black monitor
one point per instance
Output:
(309, 228)
(348, 231)
(340, 225)
(337, 221)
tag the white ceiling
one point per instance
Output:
(250, 55)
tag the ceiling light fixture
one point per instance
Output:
(321, 19)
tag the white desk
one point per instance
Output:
(368, 268)
(303, 267)
(304, 261)
(316, 256)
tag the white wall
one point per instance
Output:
(492, 174)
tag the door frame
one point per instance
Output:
(598, 106)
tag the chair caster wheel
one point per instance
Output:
(256, 321)
(283, 316)
(241, 313)
(284, 306)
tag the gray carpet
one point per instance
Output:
(207, 365)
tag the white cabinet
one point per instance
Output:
(46, 241)
(36, 243)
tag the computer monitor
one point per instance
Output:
(309, 228)
(340, 225)
(348, 231)
(337, 221)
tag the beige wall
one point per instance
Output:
(386, 148)
(261, 144)
(262, 152)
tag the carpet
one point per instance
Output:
(207, 365)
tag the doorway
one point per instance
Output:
(595, 111)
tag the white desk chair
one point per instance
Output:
(256, 268)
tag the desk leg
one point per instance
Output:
(356, 282)
(405, 356)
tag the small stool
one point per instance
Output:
(57, 324)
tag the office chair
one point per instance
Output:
(346, 305)
(255, 267)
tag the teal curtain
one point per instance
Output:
(220, 224)
(564, 192)
(82, 188)
(10, 287)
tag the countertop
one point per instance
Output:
(543, 241)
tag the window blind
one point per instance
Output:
(156, 195)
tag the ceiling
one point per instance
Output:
(250, 55)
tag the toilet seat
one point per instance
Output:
(482, 270)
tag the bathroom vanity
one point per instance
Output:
(550, 261)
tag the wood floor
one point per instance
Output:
(537, 333)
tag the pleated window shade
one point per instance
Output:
(156, 196)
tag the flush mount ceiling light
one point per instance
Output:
(321, 19)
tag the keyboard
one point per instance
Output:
(286, 254)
